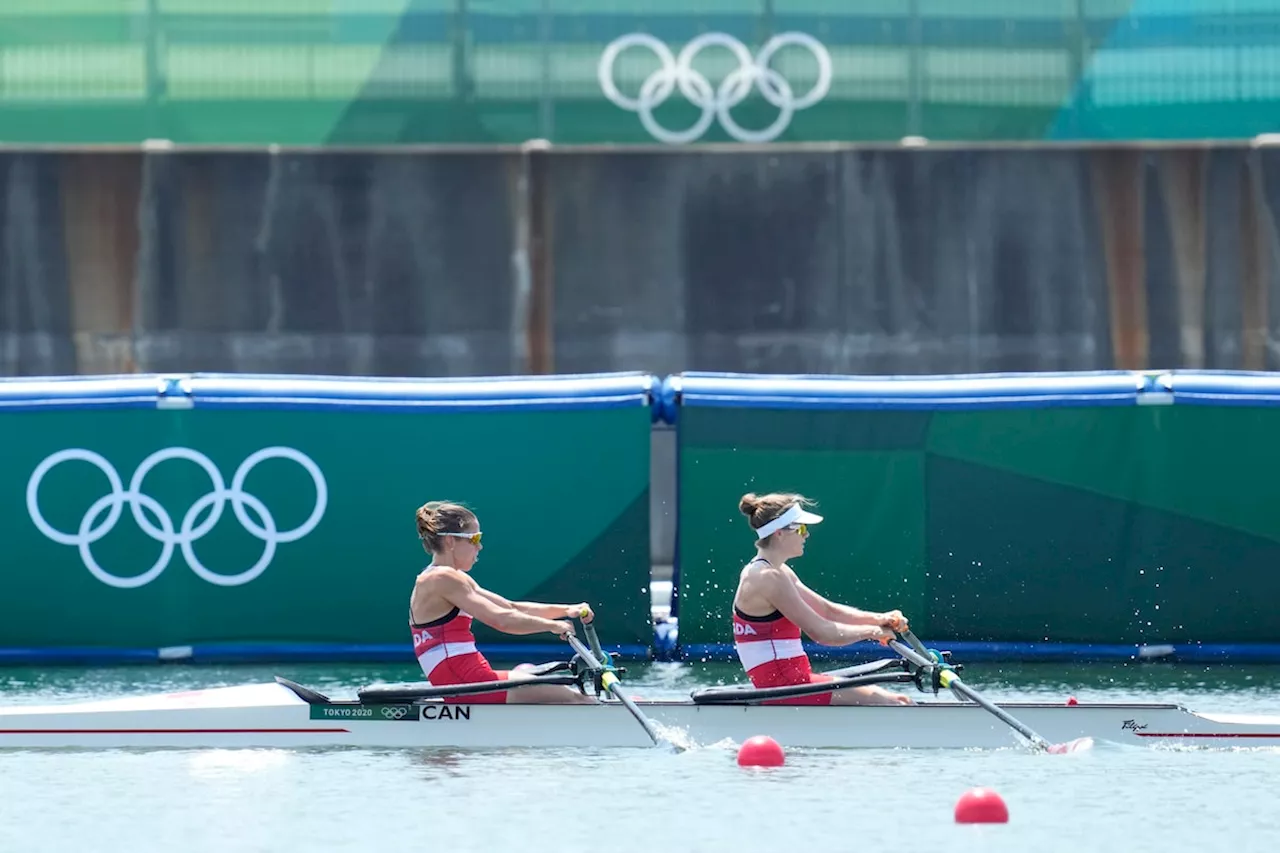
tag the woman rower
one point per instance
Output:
(445, 599)
(771, 607)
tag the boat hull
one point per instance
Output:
(272, 715)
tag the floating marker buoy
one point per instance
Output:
(1071, 700)
(761, 751)
(981, 805)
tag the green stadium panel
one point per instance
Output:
(238, 517)
(1029, 515)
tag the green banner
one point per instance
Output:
(1065, 524)
(257, 523)
(314, 72)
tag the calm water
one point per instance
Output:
(1111, 798)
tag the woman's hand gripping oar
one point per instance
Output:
(609, 680)
(915, 652)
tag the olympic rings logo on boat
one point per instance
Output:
(677, 71)
(94, 526)
(395, 712)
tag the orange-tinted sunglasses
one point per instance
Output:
(473, 538)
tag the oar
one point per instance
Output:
(947, 677)
(594, 641)
(611, 683)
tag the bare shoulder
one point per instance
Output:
(444, 577)
(758, 567)
(754, 572)
(773, 576)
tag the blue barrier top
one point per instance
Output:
(587, 391)
(61, 392)
(977, 391)
(1222, 387)
(608, 390)
(214, 390)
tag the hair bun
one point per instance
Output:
(749, 503)
(436, 517)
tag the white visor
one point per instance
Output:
(794, 515)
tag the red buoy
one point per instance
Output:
(981, 805)
(1071, 700)
(761, 751)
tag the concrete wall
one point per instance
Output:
(839, 259)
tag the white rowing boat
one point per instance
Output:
(283, 715)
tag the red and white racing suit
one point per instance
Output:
(771, 653)
(446, 649)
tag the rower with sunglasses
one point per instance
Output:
(446, 598)
(772, 607)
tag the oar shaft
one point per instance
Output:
(915, 643)
(584, 652)
(911, 654)
(594, 640)
(611, 683)
(952, 681)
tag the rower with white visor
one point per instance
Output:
(769, 645)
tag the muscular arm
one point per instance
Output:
(493, 610)
(531, 608)
(784, 594)
(837, 612)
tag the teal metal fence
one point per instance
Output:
(635, 71)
